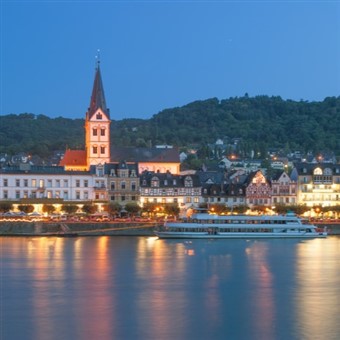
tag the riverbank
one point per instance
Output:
(68, 229)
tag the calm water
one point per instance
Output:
(145, 288)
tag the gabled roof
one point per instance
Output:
(97, 97)
(74, 158)
(152, 155)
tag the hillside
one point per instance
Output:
(260, 122)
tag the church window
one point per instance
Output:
(102, 132)
(94, 132)
(102, 149)
(99, 116)
(95, 149)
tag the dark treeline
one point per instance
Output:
(261, 122)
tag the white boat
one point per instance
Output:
(204, 225)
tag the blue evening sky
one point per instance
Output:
(162, 54)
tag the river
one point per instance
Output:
(126, 287)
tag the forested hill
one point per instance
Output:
(260, 122)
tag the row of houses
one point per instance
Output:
(123, 182)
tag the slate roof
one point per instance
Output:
(146, 176)
(152, 155)
(307, 168)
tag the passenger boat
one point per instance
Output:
(204, 225)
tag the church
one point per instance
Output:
(98, 148)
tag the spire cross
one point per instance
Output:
(98, 58)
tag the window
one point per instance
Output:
(94, 132)
(112, 185)
(86, 195)
(49, 194)
(165, 182)
(86, 183)
(5, 194)
(102, 149)
(99, 116)
(17, 182)
(123, 198)
(57, 183)
(123, 185)
(94, 149)
(41, 183)
(57, 194)
(25, 182)
(5, 182)
(17, 194)
(102, 132)
(133, 186)
(133, 198)
(112, 198)
(77, 183)
(34, 194)
(65, 183)
(77, 195)
(49, 183)
(34, 182)
(65, 195)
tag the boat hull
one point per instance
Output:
(174, 235)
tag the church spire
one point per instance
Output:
(98, 97)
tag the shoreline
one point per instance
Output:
(74, 229)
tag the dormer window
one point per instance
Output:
(154, 182)
(188, 182)
(99, 116)
(133, 173)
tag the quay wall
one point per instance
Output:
(20, 228)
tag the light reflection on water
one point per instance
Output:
(145, 288)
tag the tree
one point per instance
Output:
(113, 208)
(132, 208)
(26, 208)
(5, 206)
(48, 208)
(171, 209)
(89, 208)
(218, 208)
(69, 208)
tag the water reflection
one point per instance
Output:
(318, 289)
(146, 288)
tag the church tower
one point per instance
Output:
(97, 125)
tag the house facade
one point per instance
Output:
(318, 184)
(169, 188)
(283, 190)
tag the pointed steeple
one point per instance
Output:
(98, 97)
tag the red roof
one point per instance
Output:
(74, 158)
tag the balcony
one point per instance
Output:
(99, 188)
